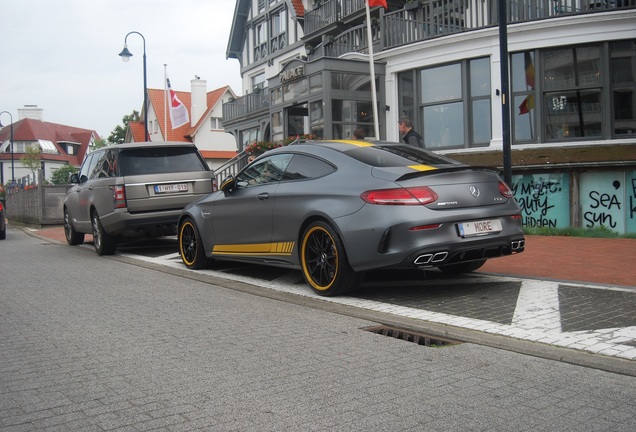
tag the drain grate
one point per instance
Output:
(418, 338)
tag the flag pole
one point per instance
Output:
(166, 101)
(374, 95)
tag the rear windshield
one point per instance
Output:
(398, 156)
(160, 160)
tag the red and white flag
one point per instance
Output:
(373, 3)
(178, 111)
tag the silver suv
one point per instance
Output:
(133, 190)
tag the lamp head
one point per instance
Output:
(125, 54)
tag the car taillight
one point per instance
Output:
(119, 196)
(215, 186)
(505, 190)
(400, 196)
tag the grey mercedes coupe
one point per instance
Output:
(336, 209)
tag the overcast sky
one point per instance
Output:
(62, 55)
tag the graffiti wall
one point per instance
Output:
(544, 199)
(607, 198)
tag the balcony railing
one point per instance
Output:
(430, 19)
(352, 40)
(329, 12)
(245, 105)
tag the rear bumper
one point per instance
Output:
(432, 240)
(151, 223)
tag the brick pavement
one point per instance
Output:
(582, 259)
(596, 260)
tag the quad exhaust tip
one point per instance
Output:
(432, 258)
(517, 245)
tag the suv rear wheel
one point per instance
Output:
(72, 237)
(105, 244)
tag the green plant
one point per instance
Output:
(31, 158)
(62, 174)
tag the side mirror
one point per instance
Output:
(74, 178)
(228, 184)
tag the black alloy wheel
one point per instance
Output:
(191, 246)
(324, 261)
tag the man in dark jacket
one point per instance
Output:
(409, 135)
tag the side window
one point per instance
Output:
(85, 168)
(93, 168)
(267, 170)
(304, 167)
(107, 164)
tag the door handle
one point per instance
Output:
(263, 196)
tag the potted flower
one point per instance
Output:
(304, 137)
(260, 147)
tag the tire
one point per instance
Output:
(191, 246)
(72, 237)
(3, 233)
(324, 261)
(461, 268)
(105, 244)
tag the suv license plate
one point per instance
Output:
(170, 188)
(481, 227)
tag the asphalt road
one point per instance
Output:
(92, 343)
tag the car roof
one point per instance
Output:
(151, 144)
(367, 151)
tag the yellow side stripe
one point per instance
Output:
(282, 248)
(422, 167)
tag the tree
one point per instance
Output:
(62, 174)
(31, 158)
(98, 143)
(118, 135)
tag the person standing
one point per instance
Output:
(358, 134)
(409, 135)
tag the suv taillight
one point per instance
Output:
(215, 186)
(119, 196)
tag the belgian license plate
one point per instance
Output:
(480, 227)
(171, 188)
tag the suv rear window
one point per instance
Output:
(160, 160)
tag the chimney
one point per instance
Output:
(199, 99)
(31, 112)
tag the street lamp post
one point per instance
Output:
(125, 56)
(505, 97)
(11, 145)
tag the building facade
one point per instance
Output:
(204, 127)
(571, 84)
(58, 145)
